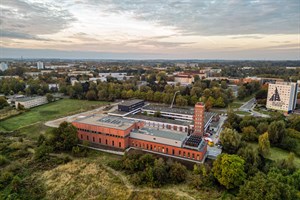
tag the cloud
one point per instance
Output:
(20, 19)
(208, 17)
(16, 35)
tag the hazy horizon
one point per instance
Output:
(123, 29)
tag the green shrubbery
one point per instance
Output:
(145, 169)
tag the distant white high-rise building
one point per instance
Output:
(40, 65)
(282, 96)
(3, 66)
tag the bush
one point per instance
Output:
(78, 151)
(42, 152)
(3, 160)
(288, 144)
(116, 164)
(5, 178)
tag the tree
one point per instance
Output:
(91, 95)
(64, 137)
(157, 114)
(265, 187)
(230, 140)
(276, 132)
(160, 172)
(3, 102)
(229, 170)
(42, 152)
(181, 101)
(249, 134)
(220, 102)
(242, 92)
(264, 144)
(178, 172)
(49, 97)
(262, 127)
(251, 157)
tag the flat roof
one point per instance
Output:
(24, 99)
(161, 108)
(131, 102)
(107, 121)
(161, 133)
(187, 111)
(159, 119)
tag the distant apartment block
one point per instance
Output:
(282, 96)
(3, 66)
(40, 65)
(30, 102)
(117, 75)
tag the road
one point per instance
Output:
(249, 105)
(214, 151)
(55, 123)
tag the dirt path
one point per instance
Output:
(132, 188)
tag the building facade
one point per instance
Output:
(30, 102)
(3, 66)
(199, 119)
(120, 133)
(282, 96)
(40, 65)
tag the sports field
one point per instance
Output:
(49, 111)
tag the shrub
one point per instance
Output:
(116, 164)
(3, 160)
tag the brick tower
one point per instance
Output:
(199, 119)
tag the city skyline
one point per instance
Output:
(260, 30)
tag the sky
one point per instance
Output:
(150, 29)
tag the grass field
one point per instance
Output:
(242, 113)
(91, 178)
(235, 105)
(47, 112)
(278, 154)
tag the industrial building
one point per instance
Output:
(147, 134)
(282, 96)
(29, 102)
(131, 105)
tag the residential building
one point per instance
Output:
(282, 96)
(40, 65)
(3, 66)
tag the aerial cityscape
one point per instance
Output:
(138, 100)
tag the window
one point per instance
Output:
(173, 152)
(87, 137)
(106, 142)
(93, 139)
(120, 144)
(184, 154)
(166, 150)
(99, 140)
(81, 136)
(188, 154)
(179, 153)
(113, 143)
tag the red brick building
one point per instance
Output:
(121, 133)
(199, 119)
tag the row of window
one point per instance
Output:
(96, 132)
(100, 141)
(166, 150)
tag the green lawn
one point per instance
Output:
(279, 154)
(241, 112)
(47, 112)
(235, 105)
